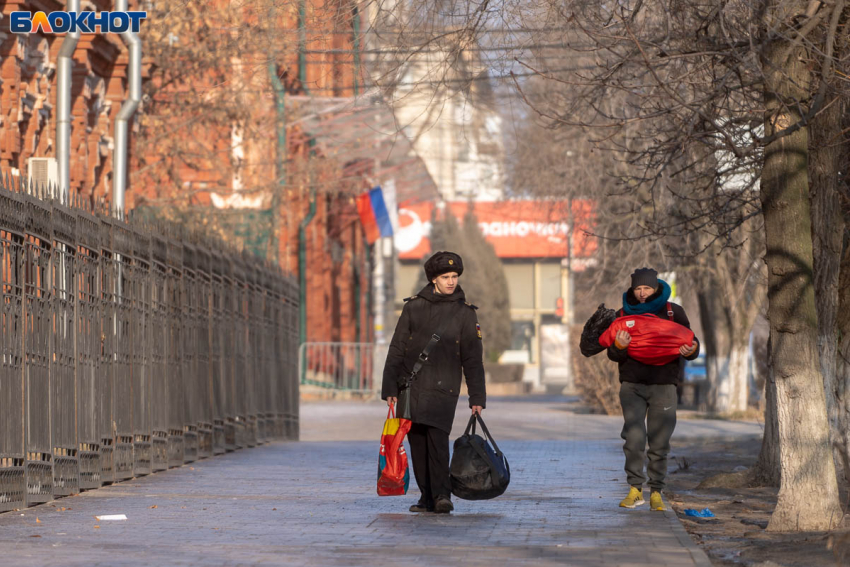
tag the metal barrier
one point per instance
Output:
(122, 353)
(341, 366)
(202, 347)
(174, 350)
(37, 334)
(66, 466)
(88, 348)
(126, 351)
(141, 340)
(13, 485)
(159, 332)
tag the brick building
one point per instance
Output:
(299, 210)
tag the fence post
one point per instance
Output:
(217, 342)
(265, 345)
(294, 347)
(37, 336)
(228, 327)
(87, 289)
(106, 326)
(202, 351)
(122, 376)
(140, 345)
(66, 465)
(13, 487)
(250, 377)
(278, 345)
(159, 332)
(174, 352)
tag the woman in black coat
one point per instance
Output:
(439, 308)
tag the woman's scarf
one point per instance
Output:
(658, 300)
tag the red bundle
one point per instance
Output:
(655, 341)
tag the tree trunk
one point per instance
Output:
(827, 235)
(767, 471)
(727, 373)
(808, 493)
(842, 365)
(729, 300)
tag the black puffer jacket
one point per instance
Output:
(633, 371)
(434, 393)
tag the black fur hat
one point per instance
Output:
(442, 263)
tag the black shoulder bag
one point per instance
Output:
(405, 383)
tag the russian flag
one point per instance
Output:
(374, 215)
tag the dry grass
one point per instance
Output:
(597, 382)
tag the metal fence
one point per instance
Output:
(127, 350)
(356, 367)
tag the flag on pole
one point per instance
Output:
(374, 215)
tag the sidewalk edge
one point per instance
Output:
(697, 553)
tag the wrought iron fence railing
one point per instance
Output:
(127, 350)
(356, 367)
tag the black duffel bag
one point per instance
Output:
(478, 472)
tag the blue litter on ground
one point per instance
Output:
(704, 513)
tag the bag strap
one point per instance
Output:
(391, 412)
(470, 427)
(426, 352)
(487, 433)
(669, 311)
(479, 450)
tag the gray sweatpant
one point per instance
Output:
(648, 410)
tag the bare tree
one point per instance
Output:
(712, 104)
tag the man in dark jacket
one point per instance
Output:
(648, 393)
(440, 308)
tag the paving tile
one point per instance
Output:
(313, 503)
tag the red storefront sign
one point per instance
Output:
(516, 229)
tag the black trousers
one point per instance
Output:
(429, 451)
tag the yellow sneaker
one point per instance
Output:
(635, 498)
(655, 501)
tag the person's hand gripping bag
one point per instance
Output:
(393, 472)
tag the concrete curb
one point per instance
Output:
(716, 438)
(697, 554)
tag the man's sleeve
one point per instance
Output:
(395, 355)
(680, 317)
(472, 359)
(617, 355)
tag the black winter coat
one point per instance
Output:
(434, 393)
(633, 371)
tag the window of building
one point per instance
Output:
(550, 285)
(520, 285)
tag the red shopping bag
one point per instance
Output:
(655, 341)
(393, 474)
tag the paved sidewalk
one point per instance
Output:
(313, 503)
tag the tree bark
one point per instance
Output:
(842, 366)
(808, 493)
(827, 237)
(767, 471)
(725, 352)
(730, 297)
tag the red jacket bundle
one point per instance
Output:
(655, 341)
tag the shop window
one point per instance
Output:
(520, 285)
(550, 285)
